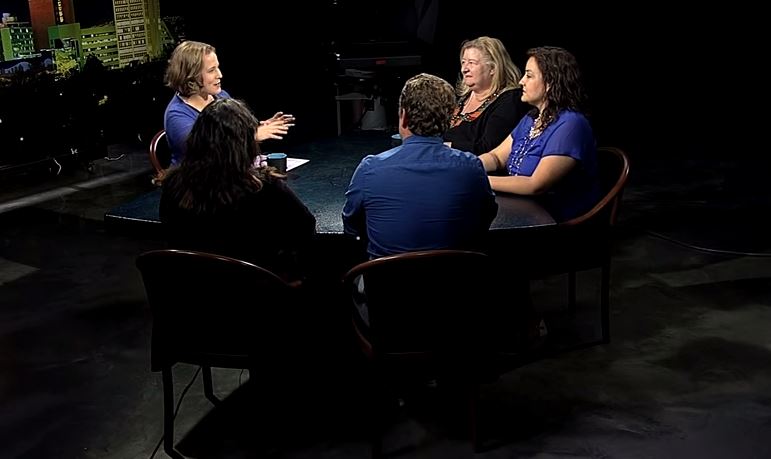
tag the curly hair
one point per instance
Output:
(562, 76)
(183, 74)
(218, 168)
(428, 102)
(506, 74)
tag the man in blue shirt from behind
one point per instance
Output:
(422, 195)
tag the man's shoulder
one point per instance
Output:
(378, 159)
(465, 158)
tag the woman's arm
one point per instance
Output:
(178, 124)
(496, 159)
(280, 117)
(550, 170)
(270, 131)
(275, 127)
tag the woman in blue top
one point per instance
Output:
(551, 153)
(195, 76)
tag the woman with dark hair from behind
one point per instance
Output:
(551, 154)
(218, 201)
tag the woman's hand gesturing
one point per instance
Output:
(275, 127)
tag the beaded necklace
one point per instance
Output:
(459, 117)
(516, 158)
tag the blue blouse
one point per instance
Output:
(568, 135)
(178, 122)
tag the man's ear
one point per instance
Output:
(403, 118)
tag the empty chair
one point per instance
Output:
(213, 311)
(428, 315)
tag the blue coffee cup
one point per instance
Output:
(277, 160)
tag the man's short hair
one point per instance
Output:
(428, 102)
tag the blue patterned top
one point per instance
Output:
(568, 135)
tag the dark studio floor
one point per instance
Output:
(687, 374)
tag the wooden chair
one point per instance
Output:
(160, 156)
(585, 242)
(204, 309)
(429, 317)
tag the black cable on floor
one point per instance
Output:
(706, 249)
(176, 410)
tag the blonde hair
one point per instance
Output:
(506, 75)
(183, 74)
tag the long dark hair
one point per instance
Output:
(218, 168)
(562, 76)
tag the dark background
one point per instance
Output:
(685, 84)
(662, 83)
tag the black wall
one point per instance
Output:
(661, 83)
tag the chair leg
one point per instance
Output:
(377, 424)
(376, 442)
(473, 410)
(572, 292)
(605, 303)
(377, 398)
(168, 412)
(253, 374)
(208, 386)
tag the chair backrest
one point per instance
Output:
(613, 166)
(584, 242)
(425, 304)
(212, 310)
(160, 153)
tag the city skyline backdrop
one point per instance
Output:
(653, 78)
(87, 12)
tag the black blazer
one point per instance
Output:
(492, 126)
